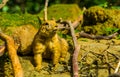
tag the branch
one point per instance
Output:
(84, 55)
(9, 44)
(2, 50)
(45, 9)
(86, 35)
(63, 24)
(3, 3)
(117, 57)
(117, 68)
(78, 21)
(76, 51)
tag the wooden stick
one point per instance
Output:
(62, 24)
(86, 35)
(2, 50)
(10, 46)
(76, 51)
(117, 68)
(3, 3)
(78, 21)
(45, 9)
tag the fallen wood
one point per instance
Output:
(10, 47)
(117, 68)
(3, 3)
(2, 50)
(86, 35)
(76, 51)
(78, 21)
(64, 25)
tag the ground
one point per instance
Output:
(93, 51)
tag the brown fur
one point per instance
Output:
(47, 44)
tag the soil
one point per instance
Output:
(93, 60)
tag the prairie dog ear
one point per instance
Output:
(40, 20)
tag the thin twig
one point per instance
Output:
(45, 9)
(76, 51)
(116, 56)
(110, 65)
(2, 50)
(84, 55)
(86, 35)
(117, 68)
(62, 24)
(107, 61)
(78, 21)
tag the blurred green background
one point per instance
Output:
(35, 6)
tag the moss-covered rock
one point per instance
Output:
(21, 27)
(7, 20)
(97, 20)
(65, 11)
(95, 15)
(24, 36)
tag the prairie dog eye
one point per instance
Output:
(46, 24)
(56, 26)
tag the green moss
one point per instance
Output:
(95, 15)
(9, 22)
(7, 19)
(65, 11)
(98, 19)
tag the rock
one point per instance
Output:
(101, 21)
(95, 15)
(64, 11)
(24, 36)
